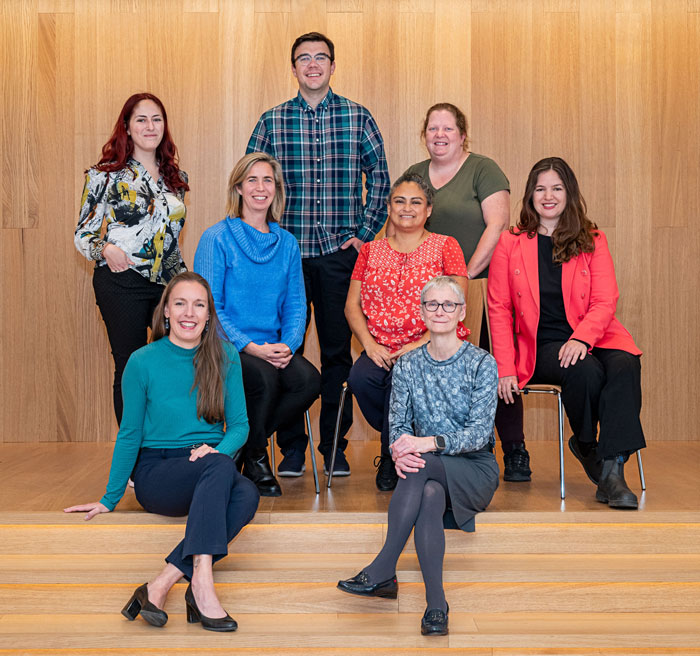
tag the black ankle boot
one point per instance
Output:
(256, 466)
(612, 488)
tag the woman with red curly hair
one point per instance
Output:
(138, 191)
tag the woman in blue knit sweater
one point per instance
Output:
(254, 269)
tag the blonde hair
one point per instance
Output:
(234, 202)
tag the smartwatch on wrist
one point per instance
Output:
(440, 442)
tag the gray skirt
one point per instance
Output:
(472, 479)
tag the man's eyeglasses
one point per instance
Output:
(305, 60)
(447, 306)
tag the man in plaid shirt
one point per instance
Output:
(325, 143)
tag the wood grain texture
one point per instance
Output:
(611, 86)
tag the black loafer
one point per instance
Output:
(360, 585)
(591, 465)
(434, 621)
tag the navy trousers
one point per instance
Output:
(217, 500)
(371, 386)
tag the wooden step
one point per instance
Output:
(286, 598)
(321, 631)
(328, 568)
(617, 538)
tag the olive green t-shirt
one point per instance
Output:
(457, 204)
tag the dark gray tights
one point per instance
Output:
(418, 501)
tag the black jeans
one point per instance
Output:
(218, 501)
(371, 386)
(327, 279)
(604, 388)
(275, 397)
(126, 301)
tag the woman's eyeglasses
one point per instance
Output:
(447, 306)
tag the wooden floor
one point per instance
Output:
(539, 576)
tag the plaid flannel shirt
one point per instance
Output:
(323, 153)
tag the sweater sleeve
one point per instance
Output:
(478, 429)
(236, 432)
(400, 402)
(210, 263)
(294, 306)
(130, 436)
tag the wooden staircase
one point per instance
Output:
(538, 582)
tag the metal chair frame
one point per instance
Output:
(311, 449)
(556, 391)
(336, 435)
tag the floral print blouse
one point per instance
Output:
(392, 283)
(143, 218)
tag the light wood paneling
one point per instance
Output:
(611, 86)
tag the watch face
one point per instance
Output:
(440, 441)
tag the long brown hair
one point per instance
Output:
(120, 146)
(575, 231)
(209, 357)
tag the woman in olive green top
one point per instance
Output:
(472, 195)
(472, 204)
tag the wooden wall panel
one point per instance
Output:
(611, 86)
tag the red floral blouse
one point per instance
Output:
(392, 283)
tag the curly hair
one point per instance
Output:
(119, 147)
(575, 231)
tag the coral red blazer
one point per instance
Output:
(590, 298)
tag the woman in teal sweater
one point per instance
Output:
(254, 269)
(184, 418)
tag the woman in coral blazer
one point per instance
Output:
(552, 297)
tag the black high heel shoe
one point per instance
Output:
(139, 604)
(209, 623)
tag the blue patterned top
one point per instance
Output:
(455, 398)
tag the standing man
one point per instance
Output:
(325, 143)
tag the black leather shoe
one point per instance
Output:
(209, 623)
(434, 621)
(591, 464)
(387, 478)
(360, 585)
(256, 467)
(139, 604)
(612, 488)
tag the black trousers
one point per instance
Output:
(126, 301)
(327, 279)
(604, 388)
(371, 386)
(275, 397)
(218, 501)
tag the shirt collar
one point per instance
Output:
(322, 105)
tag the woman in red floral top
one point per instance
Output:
(383, 304)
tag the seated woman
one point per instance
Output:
(443, 402)
(554, 273)
(254, 269)
(179, 446)
(383, 306)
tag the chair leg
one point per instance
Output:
(641, 470)
(272, 453)
(337, 432)
(313, 453)
(561, 446)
